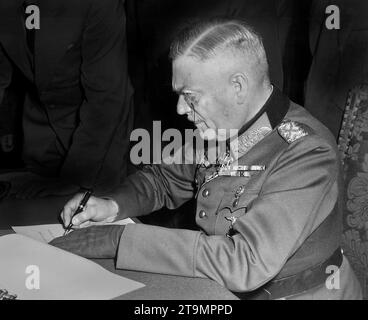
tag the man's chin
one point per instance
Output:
(208, 134)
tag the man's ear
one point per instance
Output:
(239, 81)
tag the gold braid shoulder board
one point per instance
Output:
(292, 131)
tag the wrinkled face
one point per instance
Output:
(205, 96)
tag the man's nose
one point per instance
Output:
(182, 107)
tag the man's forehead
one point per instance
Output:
(182, 80)
(189, 75)
(190, 72)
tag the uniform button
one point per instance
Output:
(235, 203)
(205, 193)
(202, 214)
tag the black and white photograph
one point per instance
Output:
(183, 155)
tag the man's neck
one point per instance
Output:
(256, 104)
(261, 101)
(261, 124)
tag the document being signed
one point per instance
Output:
(47, 232)
(33, 270)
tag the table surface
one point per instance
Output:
(14, 212)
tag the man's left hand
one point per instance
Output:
(92, 242)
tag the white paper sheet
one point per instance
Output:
(44, 233)
(62, 275)
(47, 232)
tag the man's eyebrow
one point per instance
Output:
(184, 90)
(179, 90)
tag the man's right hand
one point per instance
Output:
(97, 211)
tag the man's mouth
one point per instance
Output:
(197, 121)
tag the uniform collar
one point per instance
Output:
(275, 108)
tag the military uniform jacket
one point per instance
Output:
(283, 219)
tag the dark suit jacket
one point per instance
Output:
(5, 78)
(340, 59)
(77, 113)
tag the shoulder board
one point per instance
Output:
(292, 131)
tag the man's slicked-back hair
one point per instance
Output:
(204, 39)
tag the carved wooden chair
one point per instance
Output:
(353, 147)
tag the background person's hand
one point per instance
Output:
(7, 143)
(97, 211)
(98, 242)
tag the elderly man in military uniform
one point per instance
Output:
(269, 221)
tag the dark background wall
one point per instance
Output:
(315, 66)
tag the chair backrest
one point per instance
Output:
(353, 146)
